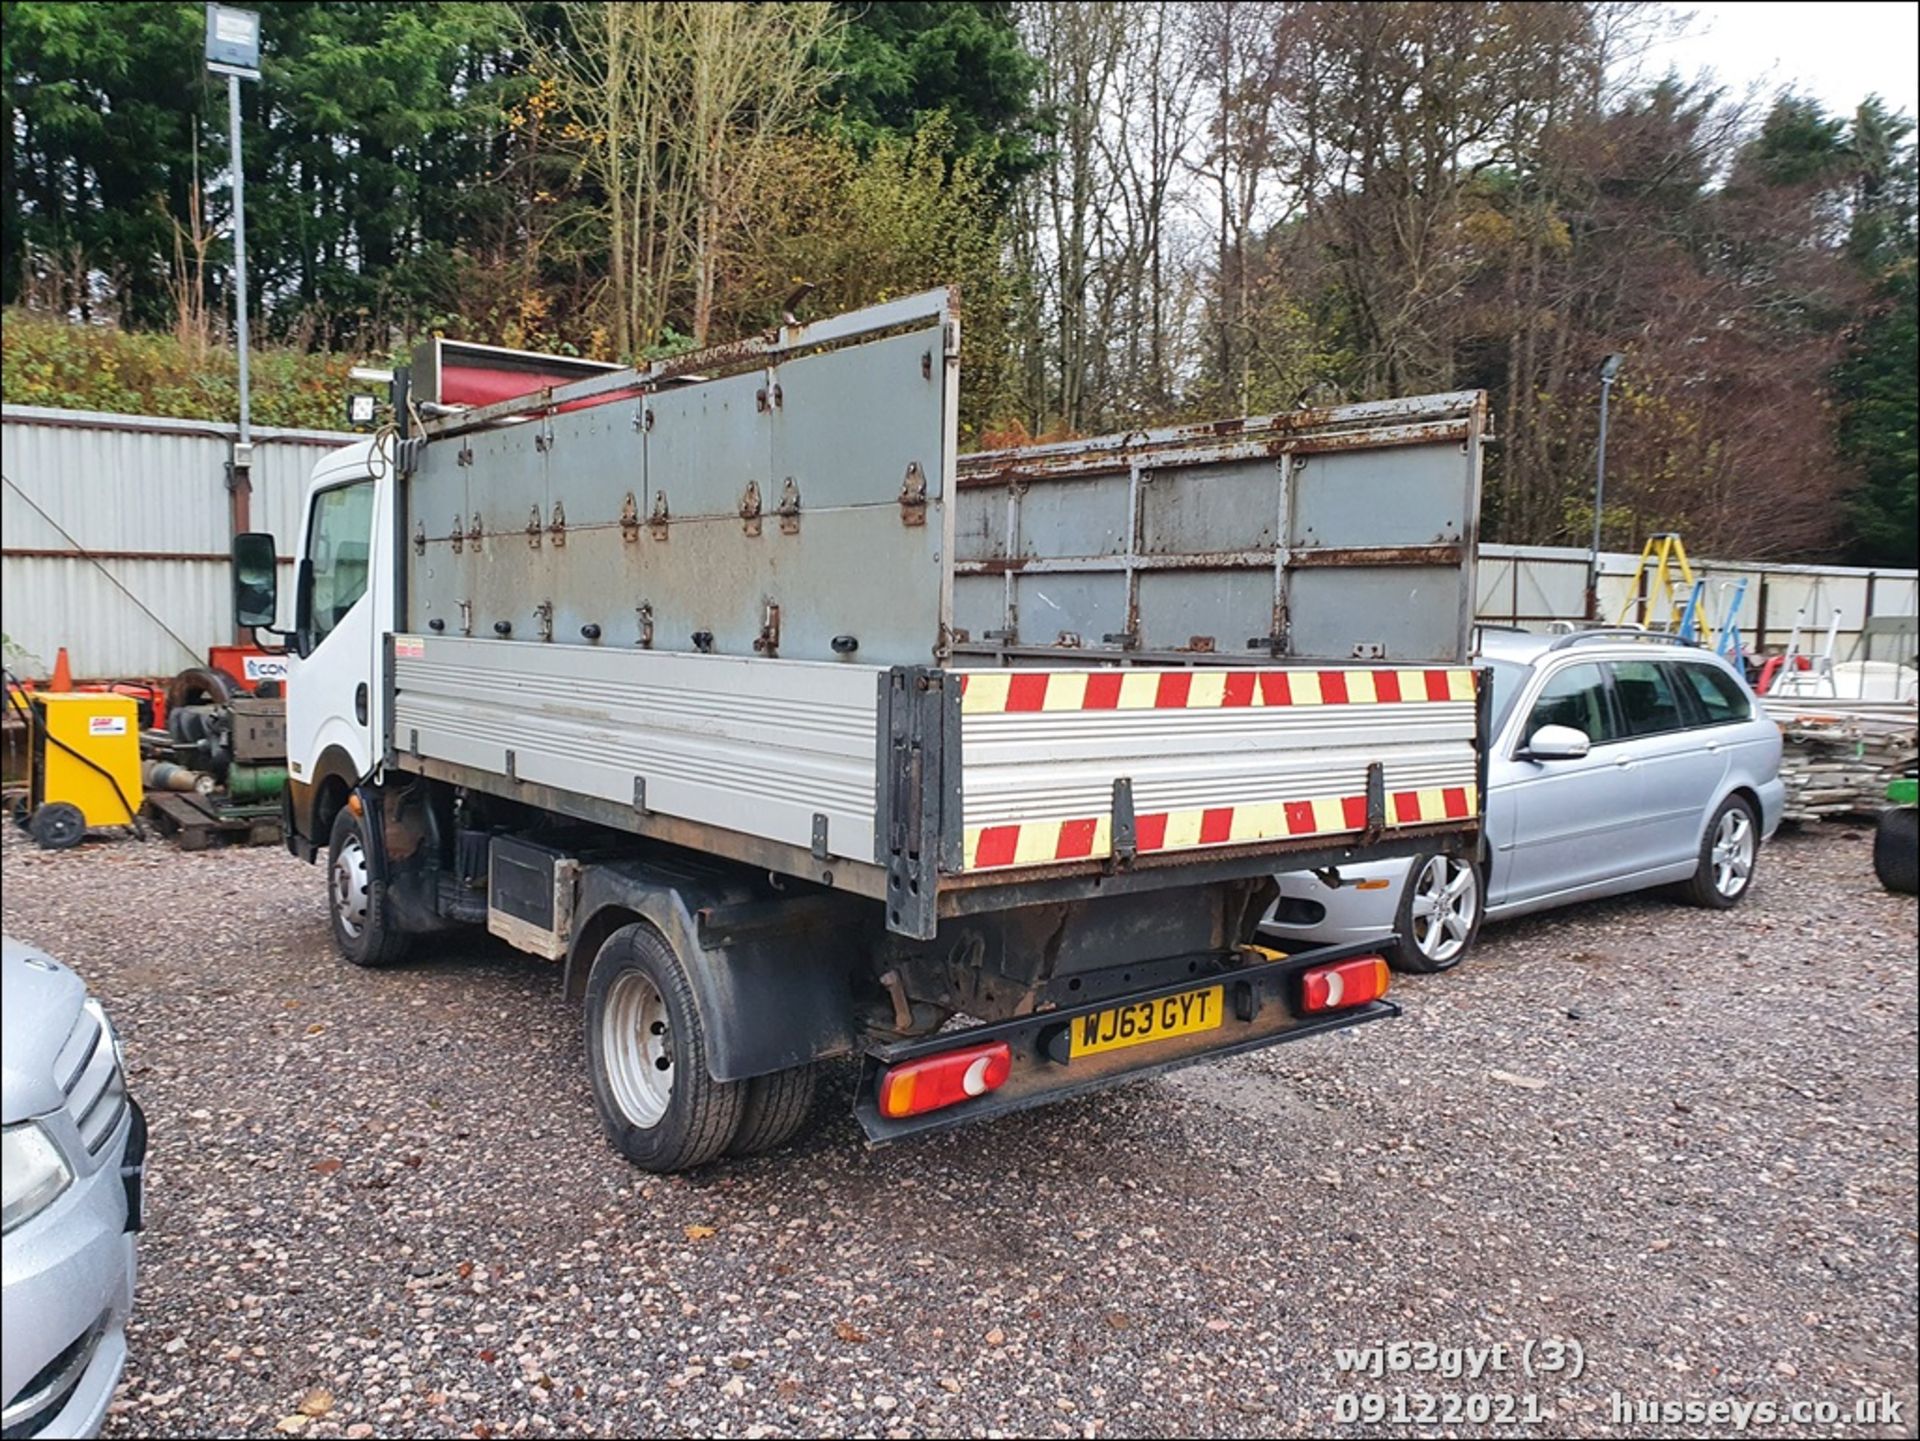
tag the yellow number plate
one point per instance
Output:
(1145, 1021)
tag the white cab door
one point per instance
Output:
(330, 690)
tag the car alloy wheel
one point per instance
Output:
(1733, 848)
(1446, 903)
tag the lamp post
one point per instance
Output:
(1609, 368)
(233, 50)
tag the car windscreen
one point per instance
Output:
(1508, 677)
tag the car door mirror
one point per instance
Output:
(256, 580)
(1558, 743)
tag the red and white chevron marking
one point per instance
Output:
(1003, 692)
(1034, 843)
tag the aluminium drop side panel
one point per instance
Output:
(1211, 757)
(754, 746)
(1328, 535)
(657, 516)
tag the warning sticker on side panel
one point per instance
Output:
(409, 647)
(106, 725)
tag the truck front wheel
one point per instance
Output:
(363, 925)
(647, 1050)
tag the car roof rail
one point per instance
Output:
(1619, 633)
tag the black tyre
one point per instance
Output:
(775, 1110)
(1729, 851)
(57, 826)
(1438, 918)
(647, 1053)
(1896, 849)
(363, 925)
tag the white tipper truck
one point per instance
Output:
(789, 734)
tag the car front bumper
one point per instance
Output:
(67, 1291)
(1311, 910)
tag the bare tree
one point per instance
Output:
(671, 107)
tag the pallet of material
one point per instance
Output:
(1839, 755)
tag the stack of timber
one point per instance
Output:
(1840, 754)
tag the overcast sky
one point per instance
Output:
(1835, 51)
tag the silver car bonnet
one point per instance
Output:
(40, 1000)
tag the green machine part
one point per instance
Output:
(254, 785)
(1904, 792)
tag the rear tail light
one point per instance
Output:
(932, 1082)
(1349, 983)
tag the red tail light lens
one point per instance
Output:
(928, 1084)
(1348, 983)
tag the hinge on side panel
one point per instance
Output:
(789, 508)
(659, 519)
(1125, 834)
(543, 438)
(750, 508)
(464, 456)
(533, 528)
(629, 518)
(420, 538)
(768, 641)
(557, 526)
(475, 533)
(466, 617)
(543, 613)
(913, 496)
(820, 851)
(1376, 803)
(510, 767)
(457, 537)
(644, 611)
(913, 796)
(640, 794)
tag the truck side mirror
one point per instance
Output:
(256, 580)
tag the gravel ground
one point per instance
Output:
(1685, 1141)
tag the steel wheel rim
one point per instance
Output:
(637, 1040)
(1446, 901)
(350, 888)
(1732, 853)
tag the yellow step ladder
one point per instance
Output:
(1663, 586)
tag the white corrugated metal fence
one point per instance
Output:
(146, 498)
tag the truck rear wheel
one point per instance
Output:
(647, 1051)
(363, 925)
(776, 1107)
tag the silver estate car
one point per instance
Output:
(76, 1146)
(1621, 760)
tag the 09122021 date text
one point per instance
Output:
(1442, 1408)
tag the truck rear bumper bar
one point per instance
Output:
(1261, 1008)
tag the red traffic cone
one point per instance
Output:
(62, 672)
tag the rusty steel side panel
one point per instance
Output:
(1332, 534)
